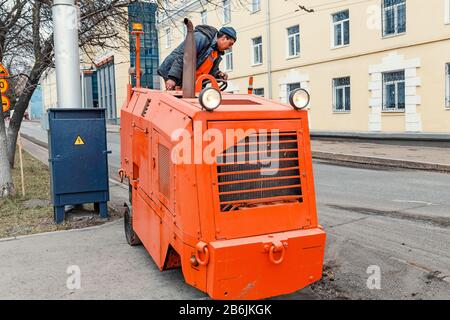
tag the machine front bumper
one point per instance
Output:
(265, 266)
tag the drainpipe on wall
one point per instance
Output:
(269, 52)
(67, 56)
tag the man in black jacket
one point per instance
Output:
(210, 44)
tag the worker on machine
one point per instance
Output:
(211, 46)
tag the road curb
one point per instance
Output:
(345, 158)
(383, 162)
(34, 140)
(101, 226)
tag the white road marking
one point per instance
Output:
(414, 201)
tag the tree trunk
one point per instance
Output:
(6, 182)
(19, 112)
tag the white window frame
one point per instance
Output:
(260, 49)
(384, 94)
(333, 30)
(255, 6)
(447, 86)
(383, 17)
(168, 38)
(204, 17)
(228, 58)
(296, 37)
(447, 11)
(226, 11)
(344, 96)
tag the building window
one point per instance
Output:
(168, 38)
(341, 28)
(226, 11)
(447, 86)
(106, 82)
(292, 86)
(394, 91)
(204, 17)
(257, 51)
(341, 94)
(255, 5)
(258, 92)
(229, 60)
(394, 17)
(447, 11)
(293, 41)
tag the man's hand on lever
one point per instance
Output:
(170, 85)
(222, 75)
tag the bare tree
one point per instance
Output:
(26, 44)
(10, 13)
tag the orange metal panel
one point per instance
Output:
(242, 269)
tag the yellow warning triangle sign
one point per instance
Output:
(79, 141)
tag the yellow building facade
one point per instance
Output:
(370, 66)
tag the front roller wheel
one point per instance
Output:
(132, 238)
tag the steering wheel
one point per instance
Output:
(223, 84)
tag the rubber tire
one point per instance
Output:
(132, 238)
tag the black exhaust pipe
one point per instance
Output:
(189, 61)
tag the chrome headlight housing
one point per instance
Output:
(299, 99)
(210, 98)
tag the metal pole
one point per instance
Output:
(138, 60)
(19, 142)
(67, 56)
(269, 52)
(83, 98)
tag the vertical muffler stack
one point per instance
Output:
(189, 61)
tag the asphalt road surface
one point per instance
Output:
(388, 238)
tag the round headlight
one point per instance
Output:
(210, 99)
(299, 99)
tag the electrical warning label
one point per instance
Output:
(79, 141)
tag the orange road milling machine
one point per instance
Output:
(221, 185)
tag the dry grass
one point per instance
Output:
(34, 212)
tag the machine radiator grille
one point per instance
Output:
(260, 169)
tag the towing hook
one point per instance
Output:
(277, 247)
(202, 247)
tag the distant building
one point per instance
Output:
(36, 108)
(145, 13)
(104, 80)
(370, 66)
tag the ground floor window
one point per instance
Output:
(394, 91)
(341, 94)
(106, 83)
(258, 92)
(447, 86)
(292, 86)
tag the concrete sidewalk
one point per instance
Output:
(390, 155)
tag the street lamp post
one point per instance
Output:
(67, 57)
